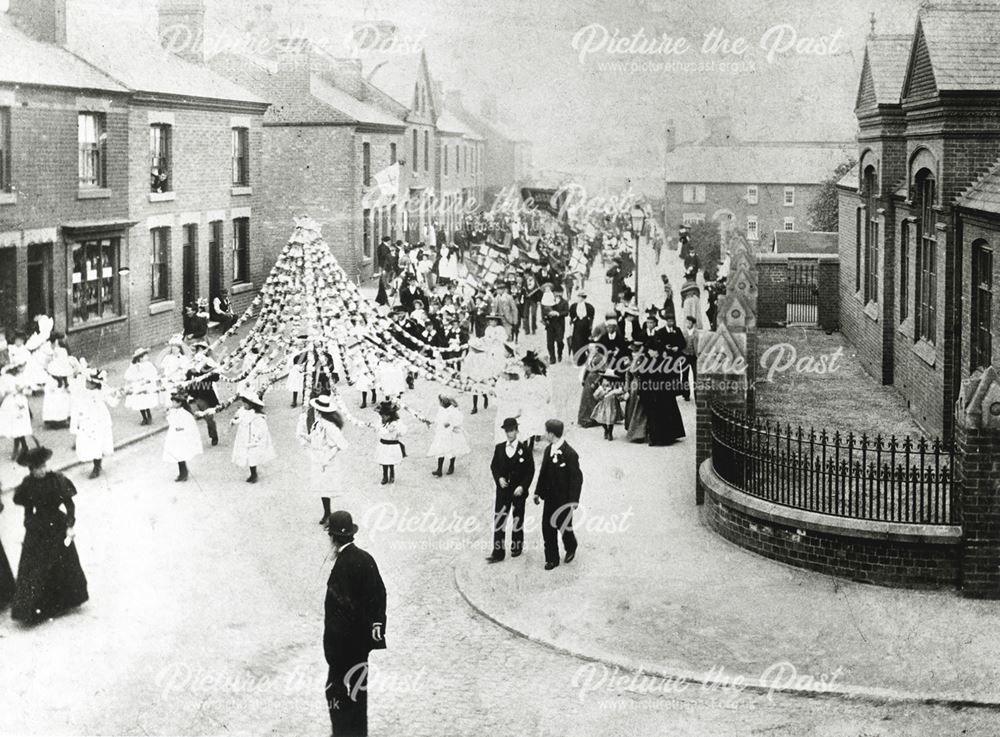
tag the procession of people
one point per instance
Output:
(512, 337)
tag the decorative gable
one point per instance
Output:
(866, 99)
(920, 82)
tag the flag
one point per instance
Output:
(387, 181)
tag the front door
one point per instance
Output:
(215, 259)
(39, 279)
(8, 290)
(190, 263)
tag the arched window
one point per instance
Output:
(871, 235)
(925, 302)
(981, 335)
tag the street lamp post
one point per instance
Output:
(638, 217)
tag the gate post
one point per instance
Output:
(977, 483)
(722, 381)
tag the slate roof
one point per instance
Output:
(135, 58)
(962, 41)
(887, 58)
(755, 163)
(984, 195)
(357, 110)
(447, 123)
(24, 60)
(804, 242)
(852, 178)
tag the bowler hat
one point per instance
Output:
(34, 457)
(341, 526)
(509, 424)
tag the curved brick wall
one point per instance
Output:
(908, 559)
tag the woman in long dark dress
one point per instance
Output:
(635, 413)
(658, 395)
(592, 370)
(50, 580)
(6, 576)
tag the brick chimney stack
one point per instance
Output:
(182, 28)
(43, 20)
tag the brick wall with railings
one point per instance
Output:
(898, 512)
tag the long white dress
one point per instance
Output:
(486, 358)
(391, 377)
(509, 403)
(183, 441)
(391, 452)
(15, 416)
(91, 423)
(141, 378)
(56, 403)
(536, 405)
(323, 442)
(253, 445)
(449, 439)
(296, 373)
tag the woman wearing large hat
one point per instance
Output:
(50, 580)
(485, 359)
(536, 397)
(323, 439)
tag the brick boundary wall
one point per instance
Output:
(862, 557)
(772, 288)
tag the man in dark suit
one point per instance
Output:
(354, 625)
(513, 469)
(613, 345)
(386, 259)
(581, 318)
(560, 481)
(554, 318)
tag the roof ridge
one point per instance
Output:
(992, 169)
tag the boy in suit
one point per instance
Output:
(513, 468)
(560, 481)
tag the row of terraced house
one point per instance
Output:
(135, 180)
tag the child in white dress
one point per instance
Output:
(449, 437)
(15, 416)
(142, 377)
(183, 441)
(390, 450)
(252, 446)
(324, 440)
(91, 422)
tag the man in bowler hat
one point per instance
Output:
(354, 625)
(513, 468)
(560, 481)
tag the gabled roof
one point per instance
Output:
(23, 60)
(961, 41)
(755, 163)
(804, 242)
(984, 195)
(483, 127)
(396, 75)
(884, 69)
(136, 60)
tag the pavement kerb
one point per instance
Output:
(750, 683)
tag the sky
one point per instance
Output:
(551, 68)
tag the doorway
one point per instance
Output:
(214, 259)
(190, 263)
(39, 279)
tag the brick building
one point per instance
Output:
(323, 144)
(91, 123)
(758, 188)
(919, 213)
(460, 174)
(507, 155)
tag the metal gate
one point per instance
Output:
(802, 304)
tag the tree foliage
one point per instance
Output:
(823, 210)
